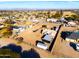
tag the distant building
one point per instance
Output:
(52, 20)
(1, 25)
(71, 23)
(62, 20)
(2, 19)
(18, 29)
(35, 20)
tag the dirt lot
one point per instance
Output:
(42, 53)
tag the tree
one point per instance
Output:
(8, 53)
(69, 18)
(7, 30)
(75, 17)
(72, 18)
(57, 15)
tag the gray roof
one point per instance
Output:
(47, 38)
(74, 35)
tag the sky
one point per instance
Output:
(40, 4)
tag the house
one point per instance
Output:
(73, 37)
(49, 35)
(50, 32)
(22, 28)
(18, 29)
(2, 19)
(62, 20)
(42, 45)
(46, 31)
(71, 23)
(35, 20)
(1, 25)
(52, 20)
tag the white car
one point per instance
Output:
(77, 46)
(41, 44)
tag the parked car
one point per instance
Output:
(42, 45)
(77, 46)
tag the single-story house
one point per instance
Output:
(63, 20)
(71, 23)
(52, 20)
(2, 20)
(1, 25)
(22, 28)
(73, 37)
(42, 45)
(18, 29)
(35, 20)
(52, 33)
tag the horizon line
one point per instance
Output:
(39, 8)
